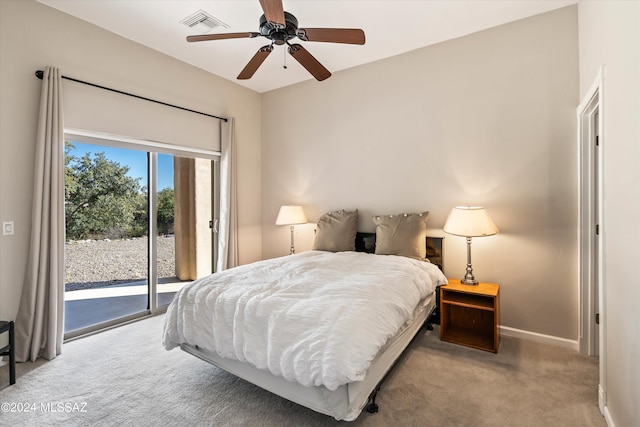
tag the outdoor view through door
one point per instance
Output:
(137, 229)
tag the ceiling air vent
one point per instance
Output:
(201, 22)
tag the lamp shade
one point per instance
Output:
(290, 215)
(469, 221)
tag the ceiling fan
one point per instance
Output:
(280, 27)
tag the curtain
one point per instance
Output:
(228, 232)
(40, 322)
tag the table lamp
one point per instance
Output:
(469, 221)
(291, 215)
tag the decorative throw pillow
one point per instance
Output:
(336, 231)
(403, 234)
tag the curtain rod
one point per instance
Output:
(40, 75)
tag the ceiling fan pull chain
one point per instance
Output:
(284, 51)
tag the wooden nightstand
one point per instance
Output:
(469, 315)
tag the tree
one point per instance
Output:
(100, 199)
(165, 211)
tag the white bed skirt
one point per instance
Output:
(344, 403)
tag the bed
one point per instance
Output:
(321, 328)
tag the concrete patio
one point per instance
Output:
(88, 307)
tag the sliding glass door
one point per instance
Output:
(138, 228)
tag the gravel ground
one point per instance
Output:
(98, 263)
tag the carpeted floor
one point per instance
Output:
(124, 377)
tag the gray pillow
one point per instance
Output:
(336, 231)
(403, 234)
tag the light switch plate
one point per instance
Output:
(7, 228)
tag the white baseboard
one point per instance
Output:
(534, 336)
(602, 399)
(604, 409)
(607, 417)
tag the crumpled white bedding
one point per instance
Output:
(318, 318)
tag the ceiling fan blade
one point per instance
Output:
(255, 62)
(274, 11)
(222, 36)
(307, 60)
(331, 35)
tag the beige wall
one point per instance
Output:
(609, 34)
(487, 119)
(32, 36)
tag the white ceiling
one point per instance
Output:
(391, 28)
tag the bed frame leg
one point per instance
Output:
(372, 407)
(429, 326)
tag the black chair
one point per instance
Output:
(9, 350)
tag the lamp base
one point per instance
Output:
(292, 249)
(469, 279)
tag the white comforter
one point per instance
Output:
(318, 318)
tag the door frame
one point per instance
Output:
(590, 115)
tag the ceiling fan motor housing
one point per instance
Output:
(279, 35)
